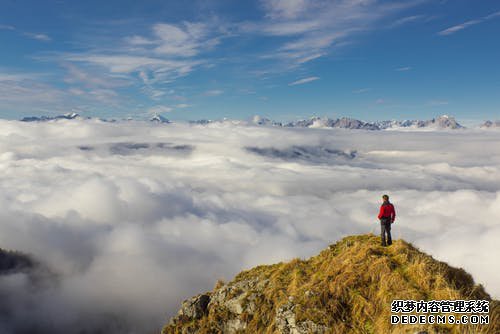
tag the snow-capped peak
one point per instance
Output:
(159, 118)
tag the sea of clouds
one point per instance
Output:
(131, 218)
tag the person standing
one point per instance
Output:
(387, 215)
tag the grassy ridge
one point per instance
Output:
(347, 288)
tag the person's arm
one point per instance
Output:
(393, 214)
(381, 212)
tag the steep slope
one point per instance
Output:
(347, 288)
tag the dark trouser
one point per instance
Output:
(385, 228)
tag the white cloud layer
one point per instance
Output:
(135, 217)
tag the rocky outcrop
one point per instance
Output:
(240, 301)
(286, 321)
(195, 308)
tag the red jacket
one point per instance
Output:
(387, 211)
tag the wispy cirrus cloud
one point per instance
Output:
(313, 28)
(437, 103)
(38, 37)
(77, 75)
(308, 58)
(404, 69)
(183, 40)
(127, 63)
(286, 8)
(361, 90)
(160, 109)
(213, 92)
(94, 85)
(467, 24)
(6, 75)
(32, 93)
(412, 19)
(303, 81)
(150, 61)
(406, 19)
(6, 27)
(28, 91)
(22, 90)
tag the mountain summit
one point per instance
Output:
(347, 288)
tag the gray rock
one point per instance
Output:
(286, 322)
(194, 308)
(234, 326)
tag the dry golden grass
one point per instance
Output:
(349, 288)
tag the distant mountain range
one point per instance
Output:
(440, 122)
(71, 115)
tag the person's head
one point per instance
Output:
(385, 198)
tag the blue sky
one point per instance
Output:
(291, 59)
